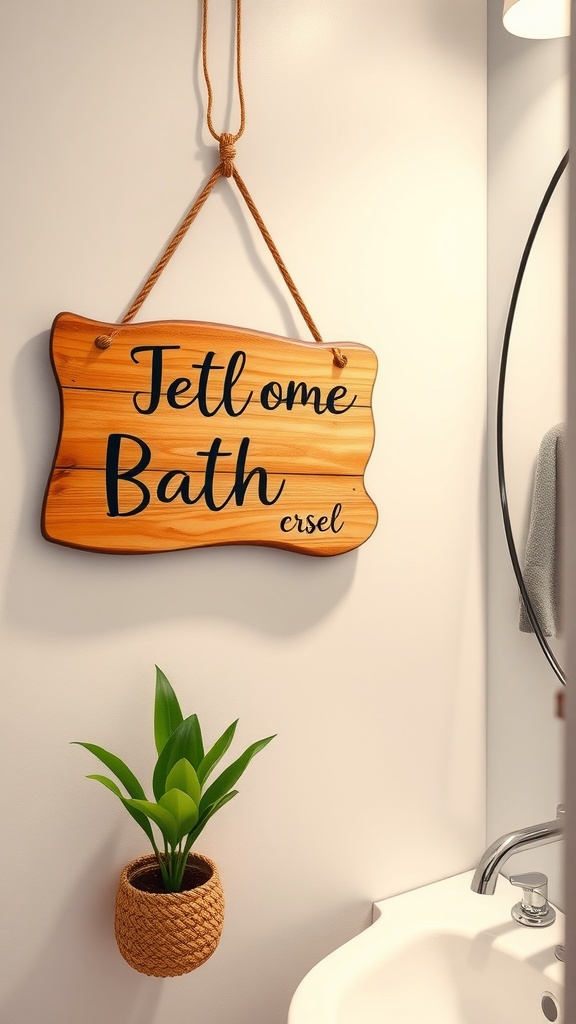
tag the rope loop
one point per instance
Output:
(227, 153)
(227, 143)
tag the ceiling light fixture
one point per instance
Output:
(537, 19)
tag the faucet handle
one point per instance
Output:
(531, 882)
(533, 909)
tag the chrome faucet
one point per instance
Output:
(497, 854)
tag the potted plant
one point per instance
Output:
(169, 904)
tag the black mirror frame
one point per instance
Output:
(552, 660)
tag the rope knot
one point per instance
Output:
(340, 360)
(227, 153)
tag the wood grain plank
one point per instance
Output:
(278, 439)
(77, 361)
(76, 515)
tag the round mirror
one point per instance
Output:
(530, 425)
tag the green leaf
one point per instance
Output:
(182, 743)
(160, 816)
(195, 832)
(197, 750)
(106, 782)
(167, 713)
(139, 818)
(216, 753)
(183, 810)
(120, 770)
(230, 775)
(182, 776)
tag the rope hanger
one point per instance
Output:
(225, 169)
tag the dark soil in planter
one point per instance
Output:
(149, 879)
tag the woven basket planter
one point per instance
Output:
(165, 934)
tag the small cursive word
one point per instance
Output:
(309, 524)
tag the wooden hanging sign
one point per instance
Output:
(184, 434)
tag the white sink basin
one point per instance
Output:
(439, 955)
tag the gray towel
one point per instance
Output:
(542, 560)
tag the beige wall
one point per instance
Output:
(366, 152)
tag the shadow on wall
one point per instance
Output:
(276, 967)
(92, 987)
(544, 63)
(78, 976)
(52, 589)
